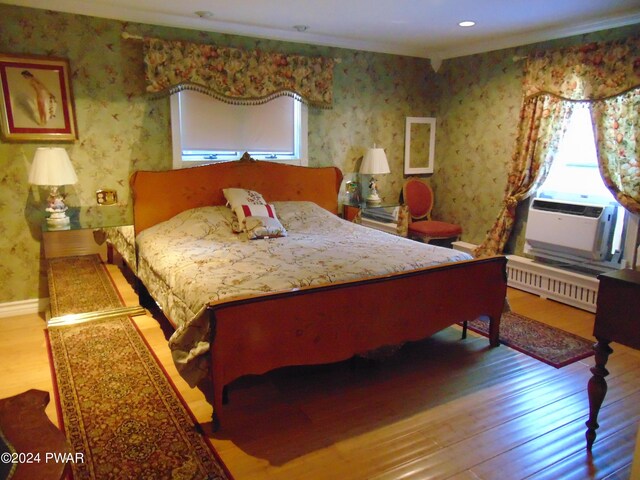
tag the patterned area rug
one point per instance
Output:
(538, 340)
(120, 410)
(80, 284)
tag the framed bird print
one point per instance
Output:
(37, 102)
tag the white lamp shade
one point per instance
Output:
(51, 166)
(374, 162)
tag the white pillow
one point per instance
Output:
(240, 196)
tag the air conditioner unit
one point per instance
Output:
(572, 231)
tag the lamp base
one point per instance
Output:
(58, 220)
(373, 200)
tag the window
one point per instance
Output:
(574, 175)
(206, 130)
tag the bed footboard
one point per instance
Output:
(335, 322)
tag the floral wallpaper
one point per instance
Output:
(122, 130)
(476, 101)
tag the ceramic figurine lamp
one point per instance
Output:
(374, 163)
(51, 167)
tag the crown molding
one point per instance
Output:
(210, 24)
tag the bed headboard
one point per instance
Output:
(158, 196)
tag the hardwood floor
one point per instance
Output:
(444, 408)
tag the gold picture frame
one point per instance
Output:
(37, 101)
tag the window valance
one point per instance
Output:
(594, 71)
(235, 75)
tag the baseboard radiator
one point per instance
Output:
(570, 288)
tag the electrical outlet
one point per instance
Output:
(106, 197)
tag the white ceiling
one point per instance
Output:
(420, 28)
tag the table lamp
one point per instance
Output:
(374, 163)
(51, 167)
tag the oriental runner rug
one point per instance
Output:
(121, 413)
(543, 342)
(80, 284)
(119, 409)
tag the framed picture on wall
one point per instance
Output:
(37, 102)
(419, 145)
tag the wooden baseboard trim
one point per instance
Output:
(24, 307)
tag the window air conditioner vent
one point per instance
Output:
(571, 232)
(590, 211)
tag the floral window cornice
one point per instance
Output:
(594, 71)
(235, 75)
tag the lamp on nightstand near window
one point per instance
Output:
(51, 167)
(374, 163)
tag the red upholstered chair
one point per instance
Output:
(418, 197)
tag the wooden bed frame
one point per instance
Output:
(320, 324)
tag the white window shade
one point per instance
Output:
(214, 125)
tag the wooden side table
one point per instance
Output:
(40, 449)
(617, 320)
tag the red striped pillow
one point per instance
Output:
(243, 211)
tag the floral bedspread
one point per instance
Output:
(123, 240)
(195, 258)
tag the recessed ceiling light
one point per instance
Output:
(204, 14)
(301, 28)
(467, 23)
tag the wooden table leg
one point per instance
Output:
(597, 388)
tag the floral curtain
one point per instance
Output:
(607, 76)
(234, 75)
(543, 120)
(617, 123)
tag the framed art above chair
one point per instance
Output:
(419, 145)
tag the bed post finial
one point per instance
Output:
(247, 158)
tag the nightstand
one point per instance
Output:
(83, 235)
(71, 260)
(390, 218)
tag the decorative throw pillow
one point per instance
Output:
(263, 227)
(241, 196)
(243, 211)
